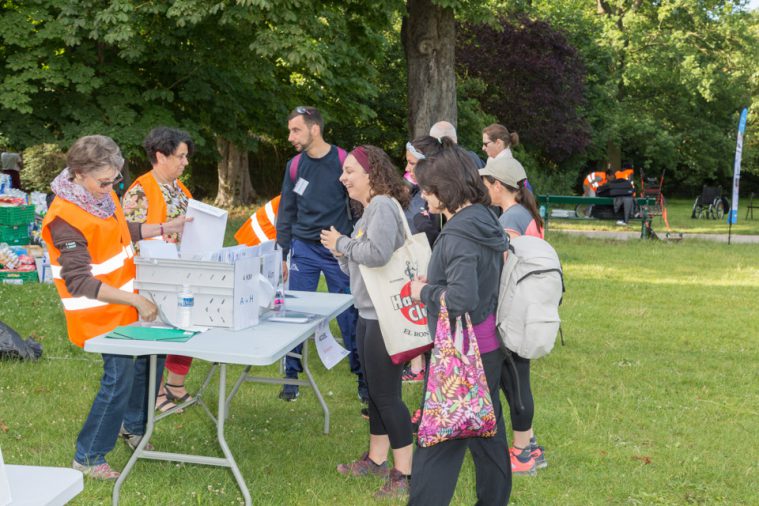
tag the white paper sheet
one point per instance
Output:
(267, 247)
(5, 488)
(206, 232)
(329, 351)
(158, 249)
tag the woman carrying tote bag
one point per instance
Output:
(465, 269)
(371, 179)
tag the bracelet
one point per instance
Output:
(161, 225)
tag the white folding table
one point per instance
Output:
(261, 345)
(43, 486)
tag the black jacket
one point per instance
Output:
(466, 263)
(324, 202)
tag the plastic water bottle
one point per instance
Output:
(279, 297)
(185, 302)
(542, 211)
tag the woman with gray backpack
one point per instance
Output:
(505, 179)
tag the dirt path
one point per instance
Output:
(623, 236)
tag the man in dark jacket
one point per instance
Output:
(313, 199)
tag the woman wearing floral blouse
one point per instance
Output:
(157, 197)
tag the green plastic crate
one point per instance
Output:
(19, 215)
(14, 235)
(18, 278)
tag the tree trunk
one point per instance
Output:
(614, 155)
(429, 41)
(235, 188)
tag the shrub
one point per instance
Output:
(41, 164)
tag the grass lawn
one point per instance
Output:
(660, 346)
(679, 215)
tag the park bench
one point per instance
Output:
(580, 203)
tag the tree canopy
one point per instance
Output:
(657, 83)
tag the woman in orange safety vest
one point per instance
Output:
(155, 197)
(91, 255)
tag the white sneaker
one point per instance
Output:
(620, 222)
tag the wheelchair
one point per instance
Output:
(710, 204)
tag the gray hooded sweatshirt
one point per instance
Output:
(375, 237)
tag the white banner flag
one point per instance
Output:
(732, 218)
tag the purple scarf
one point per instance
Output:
(67, 189)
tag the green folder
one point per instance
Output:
(151, 334)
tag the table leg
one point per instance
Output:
(240, 381)
(149, 424)
(315, 387)
(220, 434)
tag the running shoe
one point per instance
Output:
(522, 462)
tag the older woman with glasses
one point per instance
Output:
(153, 198)
(91, 254)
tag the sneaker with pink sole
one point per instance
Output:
(522, 462)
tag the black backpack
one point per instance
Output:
(13, 347)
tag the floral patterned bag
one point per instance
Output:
(457, 403)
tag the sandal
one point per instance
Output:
(166, 405)
(173, 397)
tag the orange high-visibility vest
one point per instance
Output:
(591, 181)
(154, 195)
(261, 226)
(625, 174)
(110, 247)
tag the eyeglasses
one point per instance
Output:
(485, 144)
(303, 110)
(106, 184)
(183, 156)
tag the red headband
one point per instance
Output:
(362, 157)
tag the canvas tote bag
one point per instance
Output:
(457, 403)
(403, 322)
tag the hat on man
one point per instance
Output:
(505, 169)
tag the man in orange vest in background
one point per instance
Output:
(627, 172)
(261, 226)
(591, 183)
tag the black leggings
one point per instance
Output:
(388, 415)
(521, 416)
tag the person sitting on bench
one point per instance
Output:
(622, 191)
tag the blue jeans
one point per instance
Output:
(122, 398)
(307, 262)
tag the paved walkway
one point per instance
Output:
(625, 235)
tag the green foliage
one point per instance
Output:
(41, 164)
(666, 80)
(231, 69)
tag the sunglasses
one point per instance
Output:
(485, 144)
(303, 110)
(106, 184)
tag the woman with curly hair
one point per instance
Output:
(371, 179)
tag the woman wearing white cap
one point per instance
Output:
(505, 179)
